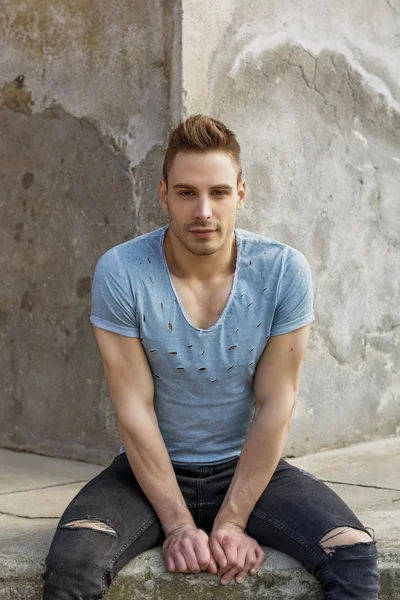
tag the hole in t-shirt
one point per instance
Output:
(151, 279)
(236, 330)
(264, 290)
(242, 295)
(144, 318)
(162, 305)
(172, 353)
(252, 350)
(141, 339)
(231, 367)
(180, 368)
(149, 260)
(232, 347)
(203, 369)
(212, 381)
(203, 353)
(191, 346)
(252, 302)
(153, 350)
(252, 363)
(158, 377)
(170, 326)
(259, 324)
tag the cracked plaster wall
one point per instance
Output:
(85, 102)
(313, 92)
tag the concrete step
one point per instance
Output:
(34, 490)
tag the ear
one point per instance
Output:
(162, 192)
(241, 194)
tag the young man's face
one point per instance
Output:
(202, 196)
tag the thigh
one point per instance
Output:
(295, 511)
(125, 525)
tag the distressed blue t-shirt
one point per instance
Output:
(203, 378)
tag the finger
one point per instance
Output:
(250, 562)
(260, 557)
(170, 563)
(218, 552)
(225, 579)
(241, 554)
(212, 566)
(231, 553)
(180, 563)
(191, 559)
(203, 554)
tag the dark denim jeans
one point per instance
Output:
(295, 511)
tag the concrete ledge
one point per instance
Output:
(367, 476)
(146, 578)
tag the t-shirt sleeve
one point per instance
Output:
(294, 307)
(113, 301)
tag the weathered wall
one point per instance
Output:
(84, 109)
(87, 94)
(313, 91)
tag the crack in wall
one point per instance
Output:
(260, 44)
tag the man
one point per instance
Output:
(202, 328)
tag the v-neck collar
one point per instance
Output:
(238, 240)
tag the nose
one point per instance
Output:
(203, 208)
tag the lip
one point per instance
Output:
(201, 233)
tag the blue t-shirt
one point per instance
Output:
(203, 378)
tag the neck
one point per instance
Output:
(184, 264)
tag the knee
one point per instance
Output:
(76, 565)
(343, 536)
(351, 561)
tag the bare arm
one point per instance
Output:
(131, 388)
(276, 385)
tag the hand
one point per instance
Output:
(235, 552)
(186, 550)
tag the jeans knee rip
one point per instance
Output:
(98, 525)
(330, 550)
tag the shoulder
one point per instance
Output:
(256, 245)
(129, 254)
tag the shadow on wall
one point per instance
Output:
(66, 197)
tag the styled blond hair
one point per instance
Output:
(200, 133)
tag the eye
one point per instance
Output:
(186, 193)
(220, 192)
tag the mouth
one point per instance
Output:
(203, 233)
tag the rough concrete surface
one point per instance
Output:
(25, 538)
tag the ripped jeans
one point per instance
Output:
(293, 514)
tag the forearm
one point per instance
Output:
(152, 467)
(260, 455)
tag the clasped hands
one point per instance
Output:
(228, 552)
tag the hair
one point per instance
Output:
(200, 133)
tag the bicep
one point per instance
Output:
(278, 370)
(127, 370)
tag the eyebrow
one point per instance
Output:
(187, 186)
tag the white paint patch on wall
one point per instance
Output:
(262, 42)
(361, 138)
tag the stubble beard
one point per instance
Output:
(199, 248)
